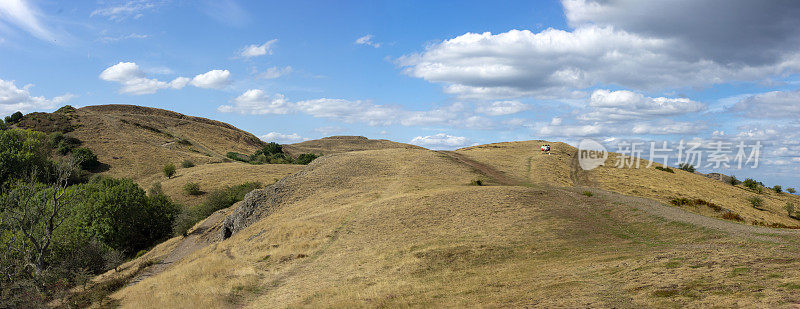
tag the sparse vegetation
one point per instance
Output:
(695, 202)
(665, 169)
(686, 167)
(756, 202)
(192, 188)
(476, 182)
(751, 184)
(792, 211)
(733, 181)
(184, 142)
(272, 154)
(215, 200)
(791, 190)
(169, 170)
(187, 163)
(305, 158)
(732, 216)
(588, 193)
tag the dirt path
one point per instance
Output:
(488, 171)
(676, 214)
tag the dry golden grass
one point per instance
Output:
(403, 228)
(337, 144)
(138, 141)
(216, 176)
(524, 161)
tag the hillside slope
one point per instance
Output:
(403, 227)
(525, 162)
(134, 141)
(337, 144)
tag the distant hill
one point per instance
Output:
(135, 141)
(337, 144)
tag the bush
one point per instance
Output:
(665, 169)
(305, 158)
(169, 170)
(777, 189)
(66, 144)
(184, 142)
(14, 118)
(192, 188)
(3, 125)
(187, 163)
(756, 202)
(686, 167)
(733, 181)
(732, 216)
(215, 200)
(476, 182)
(155, 189)
(792, 211)
(87, 158)
(21, 151)
(791, 190)
(238, 156)
(588, 193)
(751, 184)
(272, 148)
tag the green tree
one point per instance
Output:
(791, 190)
(777, 188)
(85, 158)
(169, 170)
(305, 158)
(22, 151)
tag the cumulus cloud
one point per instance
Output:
(257, 102)
(214, 79)
(367, 40)
(134, 80)
(441, 140)
(25, 16)
(499, 108)
(628, 105)
(254, 50)
(127, 9)
(617, 43)
(774, 104)
(13, 98)
(282, 138)
(275, 72)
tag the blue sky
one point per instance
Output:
(441, 74)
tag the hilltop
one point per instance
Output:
(134, 141)
(337, 144)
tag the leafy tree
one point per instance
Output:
(777, 188)
(85, 158)
(22, 151)
(305, 158)
(272, 148)
(733, 181)
(14, 118)
(169, 170)
(3, 125)
(752, 184)
(791, 190)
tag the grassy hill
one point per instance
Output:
(134, 141)
(337, 144)
(405, 227)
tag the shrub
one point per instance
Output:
(192, 188)
(681, 201)
(169, 170)
(588, 193)
(686, 167)
(732, 216)
(215, 200)
(184, 142)
(87, 158)
(14, 118)
(751, 184)
(272, 148)
(155, 189)
(791, 190)
(305, 158)
(665, 169)
(187, 163)
(756, 202)
(238, 156)
(777, 189)
(476, 182)
(3, 125)
(733, 181)
(792, 211)
(67, 144)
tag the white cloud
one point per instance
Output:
(26, 17)
(627, 105)
(499, 108)
(281, 138)
(367, 40)
(214, 79)
(255, 101)
(254, 50)
(133, 79)
(132, 36)
(441, 140)
(135, 82)
(275, 72)
(128, 9)
(557, 63)
(774, 104)
(13, 98)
